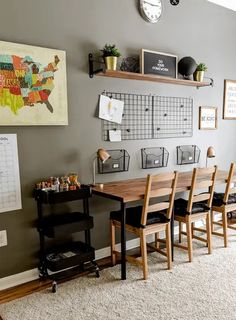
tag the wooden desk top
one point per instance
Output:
(134, 189)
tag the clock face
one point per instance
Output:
(151, 10)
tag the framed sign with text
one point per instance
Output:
(207, 118)
(229, 110)
(158, 63)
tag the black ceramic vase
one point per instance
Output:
(186, 67)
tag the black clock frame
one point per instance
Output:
(174, 2)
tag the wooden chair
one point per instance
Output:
(196, 208)
(225, 203)
(149, 218)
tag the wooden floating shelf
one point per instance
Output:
(153, 78)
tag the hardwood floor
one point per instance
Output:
(37, 285)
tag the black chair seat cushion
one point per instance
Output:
(218, 199)
(180, 207)
(134, 214)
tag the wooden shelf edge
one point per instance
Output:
(153, 78)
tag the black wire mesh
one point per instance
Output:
(151, 117)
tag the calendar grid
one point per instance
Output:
(9, 175)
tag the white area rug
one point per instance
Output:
(203, 289)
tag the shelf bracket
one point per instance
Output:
(211, 83)
(92, 72)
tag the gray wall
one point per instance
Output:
(196, 28)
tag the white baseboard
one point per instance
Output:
(30, 275)
(19, 278)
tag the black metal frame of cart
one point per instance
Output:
(81, 254)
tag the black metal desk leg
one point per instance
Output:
(123, 241)
(172, 222)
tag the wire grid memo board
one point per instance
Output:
(151, 117)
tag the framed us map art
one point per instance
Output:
(33, 89)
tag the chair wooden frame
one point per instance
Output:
(199, 181)
(142, 232)
(225, 208)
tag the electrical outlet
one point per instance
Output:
(3, 238)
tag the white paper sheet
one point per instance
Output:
(111, 109)
(10, 191)
(115, 135)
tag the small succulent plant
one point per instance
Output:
(110, 51)
(201, 67)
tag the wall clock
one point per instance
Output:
(174, 2)
(151, 10)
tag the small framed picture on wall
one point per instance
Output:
(207, 118)
(229, 110)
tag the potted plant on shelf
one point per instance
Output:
(199, 73)
(110, 55)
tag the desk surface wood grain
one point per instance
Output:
(134, 189)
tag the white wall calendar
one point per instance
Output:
(10, 190)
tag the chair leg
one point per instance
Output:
(180, 231)
(168, 247)
(143, 245)
(157, 243)
(113, 242)
(208, 229)
(212, 221)
(192, 228)
(225, 226)
(189, 238)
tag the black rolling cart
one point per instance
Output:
(60, 261)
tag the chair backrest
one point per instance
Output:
(231, 179)
(157, 186)
(202, 178)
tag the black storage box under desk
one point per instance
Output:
(57, 225)
(69, 255)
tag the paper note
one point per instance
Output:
(110, 109)
(115, 135)
(10, 192)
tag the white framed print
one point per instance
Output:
(229, 109)
(207, 118)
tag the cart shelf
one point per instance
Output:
(57, 225)
(69, 255)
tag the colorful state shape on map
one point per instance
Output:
(24, 82)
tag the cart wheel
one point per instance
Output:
(54, 287)
(42, 273)
(42, 276)
(97, 274)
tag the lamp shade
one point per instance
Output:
(211, 152)
(103, 155)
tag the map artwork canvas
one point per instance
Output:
(33, 88)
